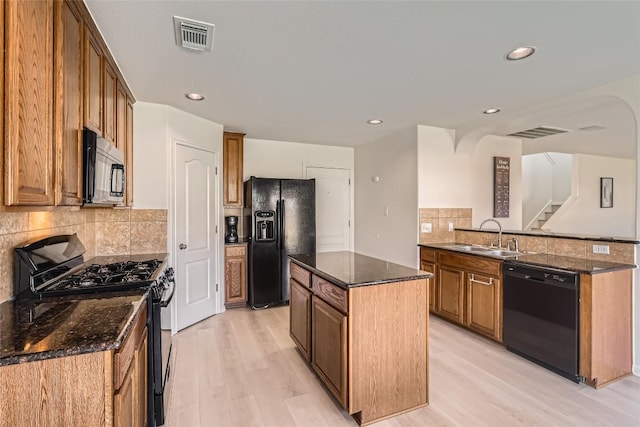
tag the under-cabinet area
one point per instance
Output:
(235, 275)
(373, 372)
(470, 290)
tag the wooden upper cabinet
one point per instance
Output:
(121, 118)
(233, 153)
(68, 121)
(128, 157)
(109, 106)
(93, 94)
(28, 109)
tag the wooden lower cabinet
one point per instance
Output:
(451, 287)
(94, 389)
(370, 355)
(606, 319)
(467, 289)
(483, 305)
(329, 347)
(300, 317)
(235, 275)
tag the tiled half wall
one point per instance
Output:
(102, 231)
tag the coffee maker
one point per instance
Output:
(231, 236)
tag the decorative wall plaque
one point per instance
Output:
(501, 168)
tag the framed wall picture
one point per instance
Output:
(606, 192)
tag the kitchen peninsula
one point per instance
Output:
(362, 324)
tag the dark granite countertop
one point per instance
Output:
(543, 233)
(350, 269)
(56, 327)
(580, 265)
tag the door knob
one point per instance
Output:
(182, 246)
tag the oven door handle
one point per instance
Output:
(164, 302)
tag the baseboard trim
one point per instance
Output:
(636, 370)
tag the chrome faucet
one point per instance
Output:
(499, 229)
(515, 245)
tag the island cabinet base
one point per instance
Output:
(388, 349)
(367, 344)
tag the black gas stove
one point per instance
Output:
(55, 267)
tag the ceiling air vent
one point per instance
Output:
(538, 132)
(194, 35)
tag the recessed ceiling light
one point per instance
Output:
(194, 96)
(374, 121)
(520, 53)
(491, 111)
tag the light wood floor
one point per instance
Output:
(240, 368)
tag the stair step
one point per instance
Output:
(548, 215)
(555, 207)
(541, 222)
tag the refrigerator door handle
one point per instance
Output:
(277, 225)
(282, 223)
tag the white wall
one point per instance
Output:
(582, 213)
(561, 176)
(157, 128)
(391, 237)
(277, 159)
(455, 180)
(537, 186)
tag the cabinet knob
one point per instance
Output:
(182, 246)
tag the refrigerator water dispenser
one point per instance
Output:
(264, 226)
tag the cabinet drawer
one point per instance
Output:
(472, 263)
(332, 294)
(301, 275)
(428, 255)
(122, 357)
(239, 250)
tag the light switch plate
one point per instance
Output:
(425, 227)
(450, 226)
(601, 249)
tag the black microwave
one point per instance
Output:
(103, 171)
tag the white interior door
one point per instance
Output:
(196, 243)
(333, 208)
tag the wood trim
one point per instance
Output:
(3, 189)
(301, 275)
(476, 264)
(330, 293)
(65, 391)
(428, 255)
(389, 362)
(123, 357)
(606, 327)
(128, 168)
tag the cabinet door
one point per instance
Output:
(140, 389)
(128, 156)
(483, 310)
(235, 275)
(329, 347)
(68, 103)
(123, 401)
(300, 317)
(121, 118)
(233, 153)
(29, 176)
(431, 268)
(109, 106)
(451, 286)
(93, 95)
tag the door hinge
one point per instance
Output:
(216, 229)
(216, 170)
(349, 181)
(216, 287)
(349, 223)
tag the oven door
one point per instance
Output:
(162, 349)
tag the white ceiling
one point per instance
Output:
(315, 71)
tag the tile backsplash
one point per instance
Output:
(440, 218)
(102, 231)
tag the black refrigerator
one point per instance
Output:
(281, 217)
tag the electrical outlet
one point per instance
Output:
(601, 249)
(386, 211)
(426, 227)
(450, 226)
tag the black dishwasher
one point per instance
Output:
(541, 316)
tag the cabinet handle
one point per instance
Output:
(480, 282)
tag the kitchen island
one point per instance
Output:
(362, 324)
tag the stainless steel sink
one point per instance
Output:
(485, 250)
